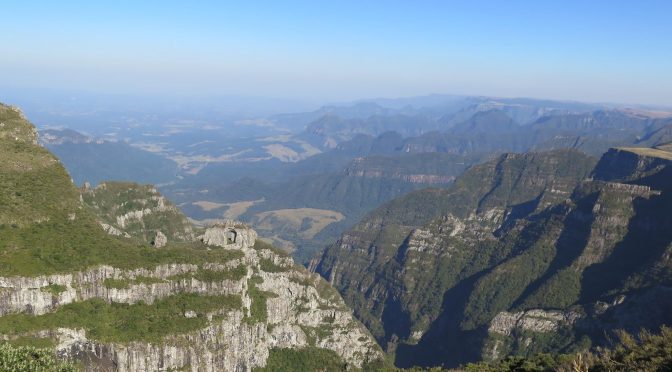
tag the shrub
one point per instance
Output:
(28, 358)
(307, 359)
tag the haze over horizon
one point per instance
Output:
(328, 52)
(329, 186)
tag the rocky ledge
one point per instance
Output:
(301, 310)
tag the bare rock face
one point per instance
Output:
(427, 240)
(538, 254)
(507, 326)
(301, 309)
(113, 230)
(30, 295)
(229, 235)
(537, 320)
(160, 240)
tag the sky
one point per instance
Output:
(598, 51)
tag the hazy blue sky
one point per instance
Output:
(618, 51)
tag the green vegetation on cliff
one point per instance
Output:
(376, 252)
(308, 359)
(524, 254)
(28, 358)
(63, 247)
(71, 267)
(137, 210)
(45, 229)
(258, 308)
(118, 322)
(645, 352)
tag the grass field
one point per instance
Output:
(645, 151)
(306, 222)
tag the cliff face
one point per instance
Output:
(524, 260)
(645, 166)
(423, 168)
(397, 262)
(221, 301)
(299, 310)
(616, 274)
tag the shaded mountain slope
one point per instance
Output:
(367, 258)
(517, 271)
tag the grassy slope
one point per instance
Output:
(114, 199)
(44, 228)
(123, 322)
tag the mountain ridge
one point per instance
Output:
(543, 274)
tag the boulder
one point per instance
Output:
(160, 240)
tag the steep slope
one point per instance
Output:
(486, 122)
(222, 302)
(423, 168)
(357, 174)
(611, 265)
(559, 275)
(396, 288)
(139, 211)
(331, 129)
(659, 137)
(349, 196)
(349, 192)
(414, 116)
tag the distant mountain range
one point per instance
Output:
(470, 229)
(340, 159)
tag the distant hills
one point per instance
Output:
(96, 160)
(345, 159)
(407, 148)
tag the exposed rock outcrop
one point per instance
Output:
(541, 321)
(160, 240)
(229, 235)
(644, 166)
(302, 311)
(113, 230)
